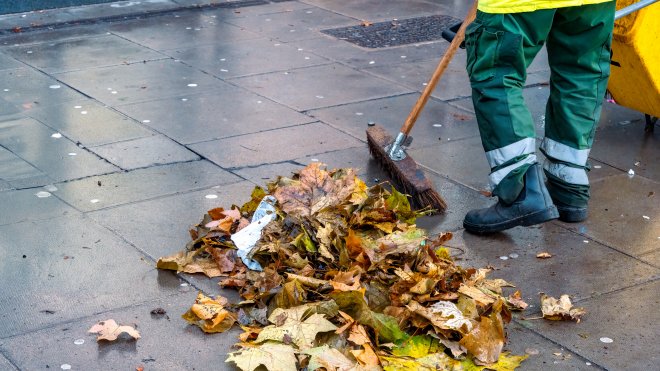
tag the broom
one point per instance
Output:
(400, 167)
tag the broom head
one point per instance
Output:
(404, 173)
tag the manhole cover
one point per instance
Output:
(393, 33)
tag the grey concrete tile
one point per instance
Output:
(231, 59)
(453, 84)
(614, 115)
(376, 10)
(13, 167)
(274, 146)
(142, 184)
(542, 353)
(51, 34)
(6, 365)
(261, 175)
(462, 161)
(298, 24)
(24, 205)
(629, 317)
(59, 158)
(144, 152)
(82, 53)
(174, 30)
(577, 268)
(358, 57)
(166, 343)
(652, 257)
(437, 123)
(119, 8)
(89, 123)
(5, 186)
(31, 182)
(26, 88)
(357, 158)
(320, 86)
(140, 82)
(73, 268)
(213, 115)
(627, 147)
(174, 216)
(460, 200)
(8, 63)
(34, 18)
(238, 11)
(618, 207)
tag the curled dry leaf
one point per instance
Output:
(516, 302)
(209, 314)
(544, 255)
(109, 330)
(562, 309)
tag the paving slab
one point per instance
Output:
(61, 278)
(274, 146)
(26, 88)
(174, 30)
(140, 81)
(358, 57)
(58, 157)
(542, 353)
(320, 86)
(652, 258)
(640, 153)
(9, 63)
(231, 59)
(89, 123)
(254, 8)
(454, 83)
(260, 175)
(166, 343)
(127, 187)
(13, 167)
(76, 54)
(51, 34)
(438, 122)
(169, 219)
(580, 267)
(297, 24)
(628, 317)
(358, 158)
(5, 364)
(376, 10)
(24, 205)
(624, 214)
(144, 152)
(119, 8)
(213, 115)
(460, 200)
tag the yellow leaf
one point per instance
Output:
(327, 358)
(506, 362)
(486, 340)
(432, 362)
(479, 296)
(109, 330)
(209, 314)
(274, 356)
(366, 356)
(417, 347)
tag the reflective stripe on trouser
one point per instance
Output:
(500, 47)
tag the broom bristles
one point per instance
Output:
(405, 173)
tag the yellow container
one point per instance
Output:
(635, 73)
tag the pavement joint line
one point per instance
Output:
(90, 316)
(132, 16)
(563, 347)
(250, 133)
(601, 242)
(7, 357)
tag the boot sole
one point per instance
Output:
(526, 220)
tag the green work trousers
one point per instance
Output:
(500, 47)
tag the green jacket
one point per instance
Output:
(519, 6)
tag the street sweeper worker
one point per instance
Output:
(501, 43)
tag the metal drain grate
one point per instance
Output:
(394, 33)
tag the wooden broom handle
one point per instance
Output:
(442, 66)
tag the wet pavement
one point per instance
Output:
(121, 125)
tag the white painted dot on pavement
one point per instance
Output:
(192, 85)
(55, 86)
(94, 201)
(83, 112)
(42, 194)
(65, 366)
(56, 135)
(72, 154)
(211, 197)
(606, 340)
(146, 121)
(79, 341)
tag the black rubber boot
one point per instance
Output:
(571, 214)
(533, 206)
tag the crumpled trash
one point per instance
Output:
(246, 239)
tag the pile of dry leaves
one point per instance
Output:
(348, 283)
